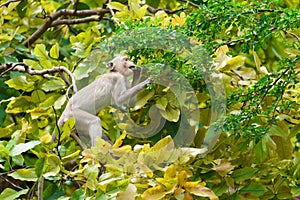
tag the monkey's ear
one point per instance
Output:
(111, 66)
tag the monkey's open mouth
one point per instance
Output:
(132, 67)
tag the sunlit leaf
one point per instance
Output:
(9, 194)
(233, 63)
(116, 6)
(23, 147)
(21, 83)
(40, 51)
(129, 194)
(154, 193)
(54, 51)
(202, 191)
(223, 167)
(24, 174)
(52, 85)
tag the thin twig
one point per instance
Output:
(113, 14)
(64, 12)
(22, 67)
(155, 10)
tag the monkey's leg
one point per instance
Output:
(88, 126)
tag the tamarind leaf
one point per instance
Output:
(24, 174)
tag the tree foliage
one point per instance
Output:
(245, 141)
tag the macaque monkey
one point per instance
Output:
(112, 87)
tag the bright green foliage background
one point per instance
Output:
(254, 46)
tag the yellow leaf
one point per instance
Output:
(154, 193)
(119, 141)
(257, 61)
(182, 178)
(170, 172)
(120, 151)
(202, 191)
(143, 98)
(129, 193)
(46, 138)
(166, 142)
(223, 167)
(171, 114)
(233, 63)
(54, 51)
(116, 6)
(177, 20)
(140, 13)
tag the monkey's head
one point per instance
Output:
(121, 64)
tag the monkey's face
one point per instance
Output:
(122, 64)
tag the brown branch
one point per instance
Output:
(8, 2)
(191, 3)
(75, 21)
(51, 19)
(22, 67)
(155, 10)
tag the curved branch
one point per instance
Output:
(22, 67)
(65, 12)
(155, 10)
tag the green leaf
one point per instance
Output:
(20, 83)
(40, 51)
(254, 188)
(23, 147)
(54, 51)
(284, 147)
(52, 85)
(143, 98)
(9, 194)
(244, 173)
(19, 104)
(24, 174)
(278, 131)
(78, 194)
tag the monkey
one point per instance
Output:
(111, 87)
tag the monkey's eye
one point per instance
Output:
(126, 59)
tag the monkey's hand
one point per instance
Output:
(148, 81)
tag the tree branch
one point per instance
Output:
(155, 10)
(75, 21)
(65, 12)
(22, 67)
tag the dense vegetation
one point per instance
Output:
(221, 119)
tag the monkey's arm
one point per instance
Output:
(121, 95)
(135, 81)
